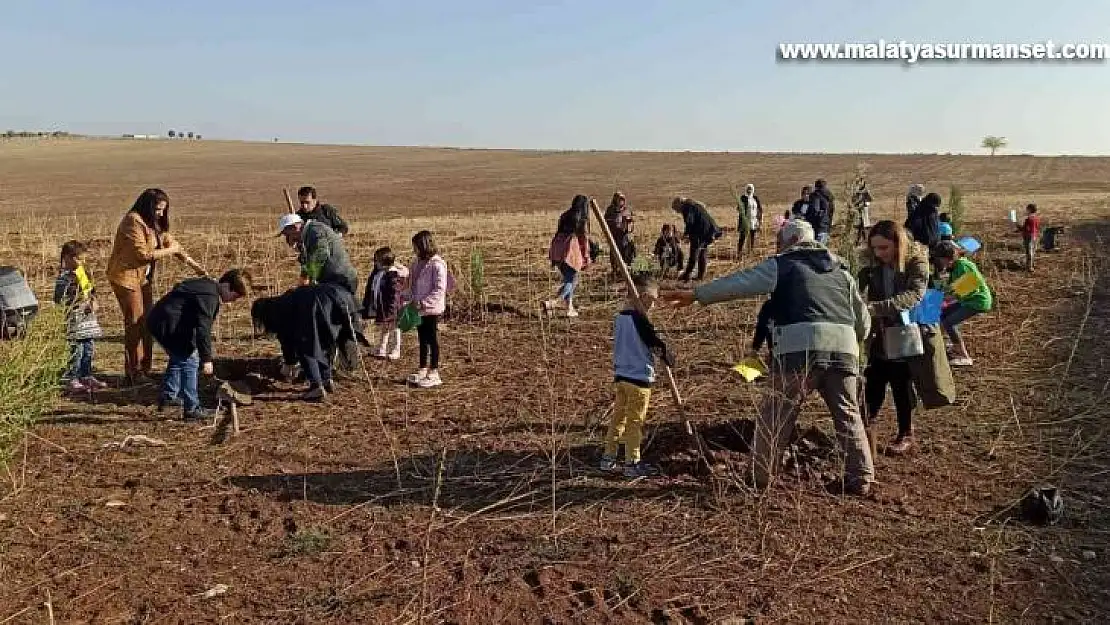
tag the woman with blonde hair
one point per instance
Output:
(893, 279)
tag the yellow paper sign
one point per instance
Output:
(965, 285)
(750, 369)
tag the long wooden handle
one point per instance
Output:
(632, 290)
(289, 201)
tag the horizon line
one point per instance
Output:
(163, 137)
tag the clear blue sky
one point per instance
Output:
(605, 74)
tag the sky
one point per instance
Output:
(549, 74)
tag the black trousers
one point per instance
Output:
(745, 235)
(428, 334)
(878, 376)
(699, 256)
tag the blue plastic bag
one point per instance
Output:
(927, 311)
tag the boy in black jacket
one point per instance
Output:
(181, 322)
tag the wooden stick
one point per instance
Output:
(288, 200)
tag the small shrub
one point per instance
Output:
(306, 542)
(31, 368)
(477, 274)
(956, 208)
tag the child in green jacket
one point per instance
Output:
(976, 298)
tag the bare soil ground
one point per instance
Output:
(476, 502)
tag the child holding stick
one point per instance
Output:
(635, 344)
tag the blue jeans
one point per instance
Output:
(181, 380)
(80, 359)
(570, 282)
(951, 319)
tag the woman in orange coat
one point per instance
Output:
(141, 240)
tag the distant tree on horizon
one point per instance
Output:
(190, 134)
(994, 143)
(173, 133)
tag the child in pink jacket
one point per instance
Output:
(429, 279)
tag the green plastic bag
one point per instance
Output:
(409, 318)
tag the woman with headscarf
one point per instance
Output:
(618, 216)
(570, 253)
(750, 219)
(913, 198)
(924, 223)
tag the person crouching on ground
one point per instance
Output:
(74, 290)
(949, 258)
(181, 322)
(382, 301)
(311, 323)
(668, 250)
(635, 344)
(430, 281)
(820, 320)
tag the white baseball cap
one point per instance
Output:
(288, 219)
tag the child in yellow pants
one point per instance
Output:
(635, 344)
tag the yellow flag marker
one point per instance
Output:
(750, 368)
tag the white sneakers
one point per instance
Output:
(550, 306)
(425, 379)
(381, 354)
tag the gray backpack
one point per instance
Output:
(18, 304)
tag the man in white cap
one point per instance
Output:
(324, 260)
(323, 257)
(819, 321)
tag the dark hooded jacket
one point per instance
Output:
(924, 223)
(182, 320)
(821, 207)
(308, 321)
(700, 225)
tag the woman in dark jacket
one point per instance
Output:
(701, 230)
(312, 323)
(893, 279)
(570, 252)
(618, 216)
(924, 223)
